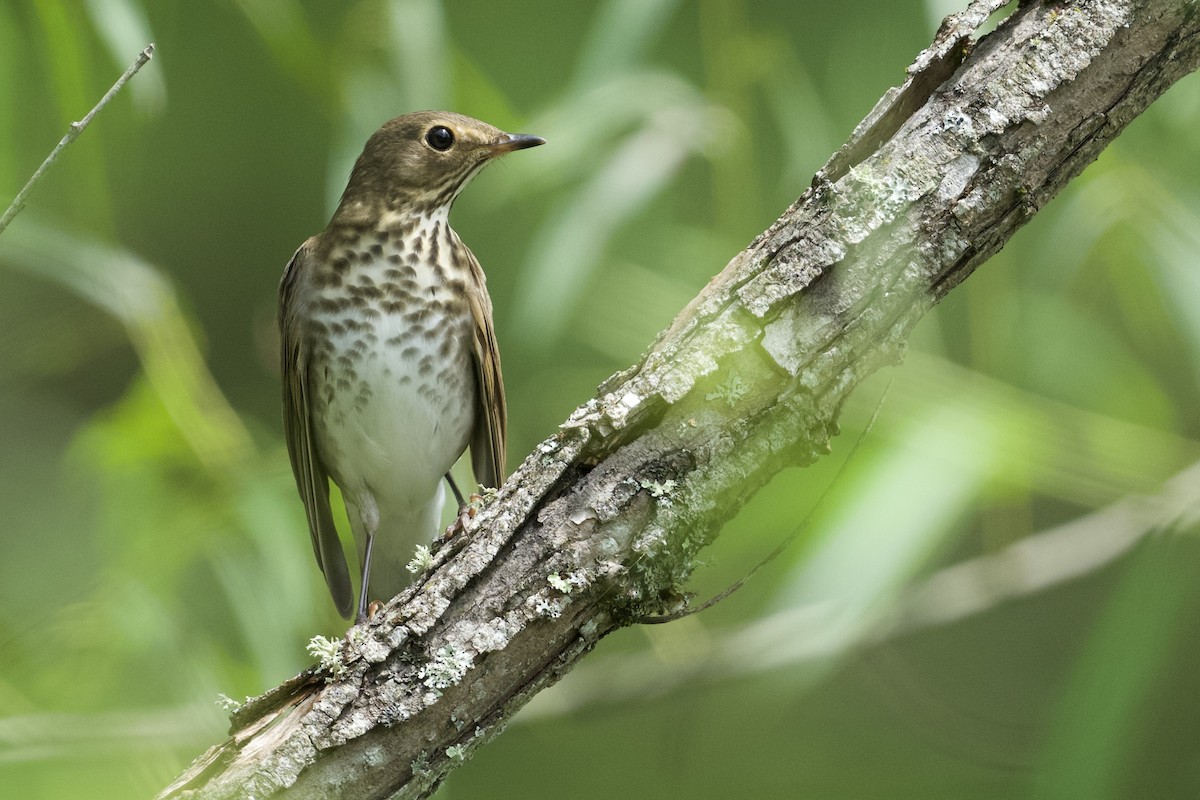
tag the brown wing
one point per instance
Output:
(491, 413)
(311, 478)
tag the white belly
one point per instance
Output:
(394, 408)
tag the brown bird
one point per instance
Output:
(390, 364)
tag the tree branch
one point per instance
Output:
(72, 133)
(600, 525)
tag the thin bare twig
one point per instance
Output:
(73, 132)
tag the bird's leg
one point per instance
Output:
(366, 577)
(370, 519)
(464, 511)
(458, 496)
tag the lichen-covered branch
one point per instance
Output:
(599, 526)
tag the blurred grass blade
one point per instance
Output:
(584, 126)
(420, 60)
(66, 54)
(1056, 449)
(1094, 735)
(573, 243)
(142, 300)
(11, 54)
(123, 26)
(416, 75)
(911, 501)
(619, 38)
(294, 45)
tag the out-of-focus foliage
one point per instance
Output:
(154, 554)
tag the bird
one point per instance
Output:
(390, 367)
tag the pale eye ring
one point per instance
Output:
(440, 138)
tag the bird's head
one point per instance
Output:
(421, 161)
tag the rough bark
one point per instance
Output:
(600, 525)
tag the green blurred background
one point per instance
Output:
(961, 618)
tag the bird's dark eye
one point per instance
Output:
(440, 138)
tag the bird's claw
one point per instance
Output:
(372, 609)
(466, 513)
(458, 525)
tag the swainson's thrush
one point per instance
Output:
(390, 365)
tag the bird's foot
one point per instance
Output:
(368, 613)
(466, 513)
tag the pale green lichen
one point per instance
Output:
(732, 390)
(865, 176)
(446, 669)
(609, 568)
(545, 607)
(558, 582)
(327, 652)
(456, 752)
(661, 490)
(422, 560)
(227, 703)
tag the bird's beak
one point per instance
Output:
(514, 141)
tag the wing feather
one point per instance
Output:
(311, 477)
(491, 417)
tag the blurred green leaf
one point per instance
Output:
(1098, 726)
